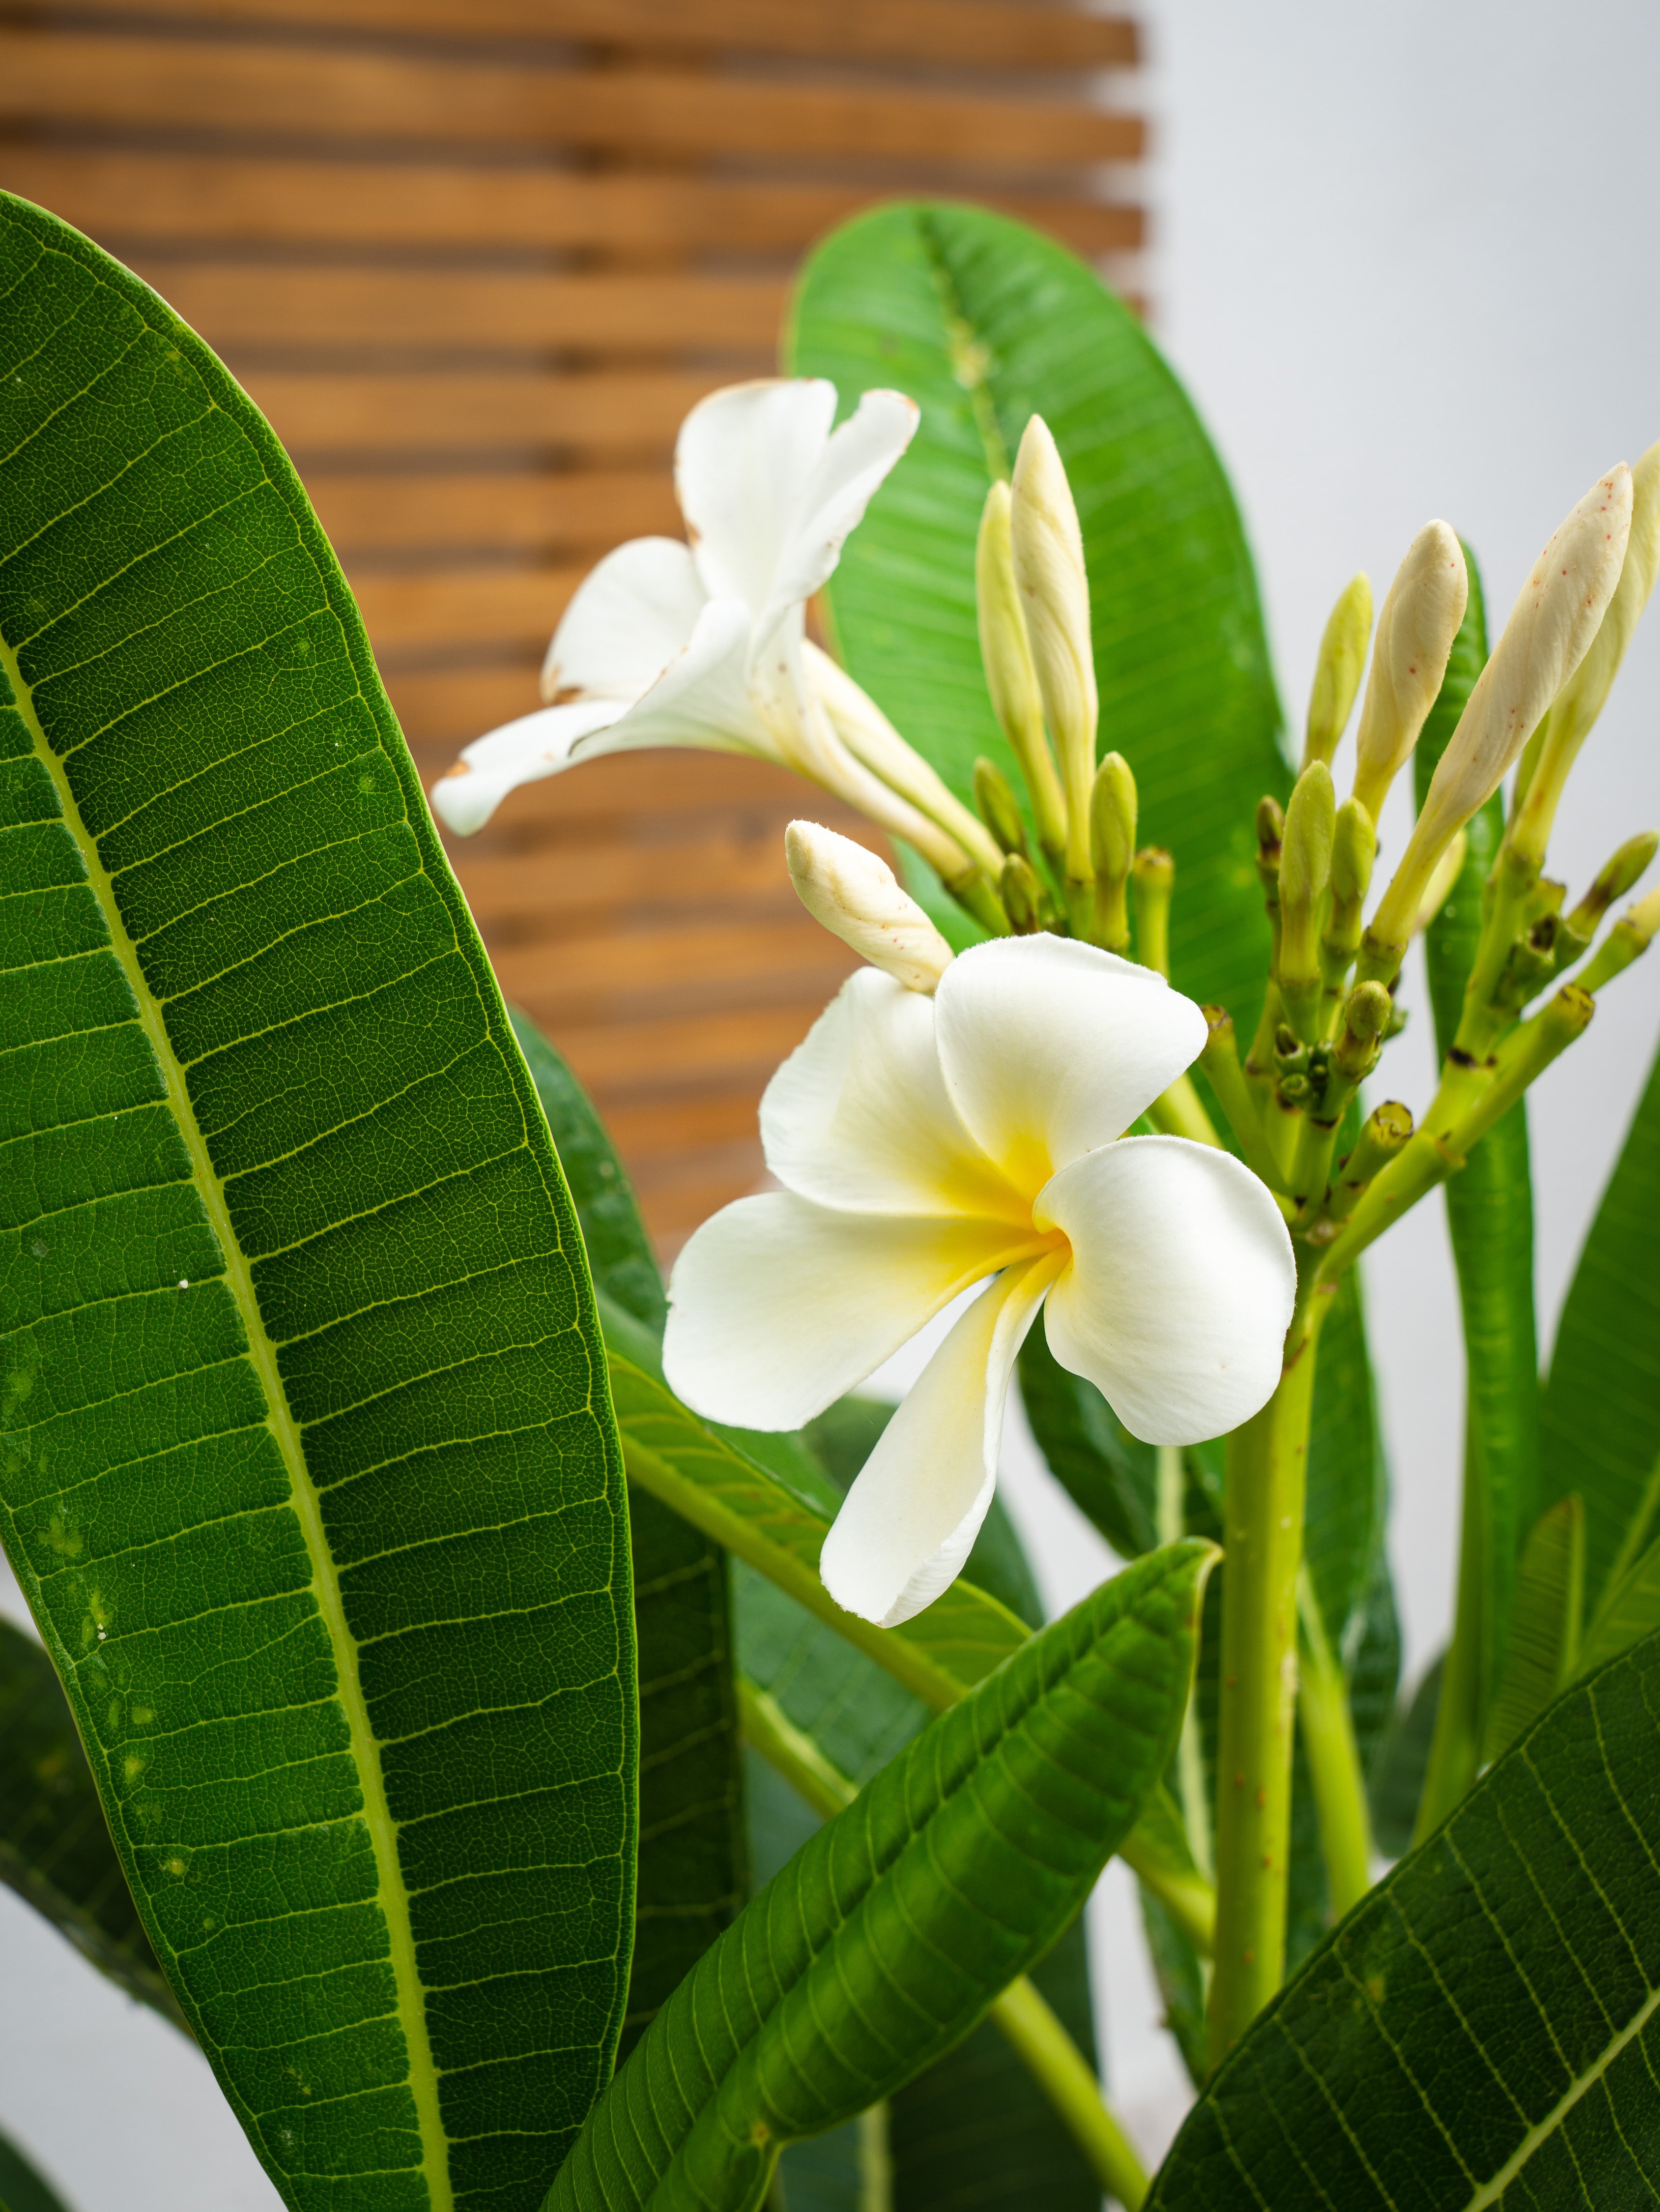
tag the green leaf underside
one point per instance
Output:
(984, 322)
(1489, 1208)
(1601, 1411)
(1544, 1624)
(883, 1941)
(21, 2188)
(1481, 2031)
(693, 1874)
(330, 1546)
(55, 1848)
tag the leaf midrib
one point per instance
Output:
(391, 1893)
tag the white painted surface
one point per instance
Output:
(1402, 261)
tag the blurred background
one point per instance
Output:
(476, 258)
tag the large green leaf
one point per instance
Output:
(308, 1468)
(1600, 1414)
(1481, 2030)
(1490, 1218)
(883, 1941)
(692, 1875)
(55, 1848)
(984, 322)
(23, 2188)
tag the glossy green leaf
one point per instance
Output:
(1490, 1219)
(1541, 1656)
(882, 1942)
(984, 322)
(1601, 1412)
(55, 1848)
(1630, 1610)
(22, 2187)
(308, 1470)
(692, 1872)
(1481, 2031)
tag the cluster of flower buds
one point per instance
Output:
(1329, 1006)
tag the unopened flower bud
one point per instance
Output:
(999, 809)
(1153, 874)
(1366, 1020)
(857, 898)
(1416, 630)
(1010, 677)
(1113, 806)
(1337, 671)
(1582, 698)
(1047, 545)
(1022, 895)
(1439, 889)
(1613, 879)
(1354, 849)
(1556, 616)
(1305, 874)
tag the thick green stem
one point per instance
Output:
(1455, 1755)
(1048, 2052)
(1263, 1524)
(1334, 1758)
(1179, 1112)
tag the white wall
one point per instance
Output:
(1402, 260)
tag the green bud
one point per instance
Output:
(1354, 849)
(997, 806)
(1615, 879)
(1046, 545)
(1022, 895)
(1305, 876)
(1270, 825)
(1112, 844)
(1337, 671)
(1153, 874)
(1382, 1136)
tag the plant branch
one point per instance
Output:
(1334, 1758)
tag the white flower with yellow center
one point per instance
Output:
(926, 1142)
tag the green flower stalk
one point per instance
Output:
(1153, 876)
(997, 806)
(1337, 671)
(1112, 805)
(1305, 878)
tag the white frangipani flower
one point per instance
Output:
(705, 644)
(926, 1142)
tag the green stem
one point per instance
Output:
(1056, 2063)
(1179, 1112)
(1263, 1525)
(1455, 1754)
(1220, 1062)
(1048, 2052)
(1334, 1758)
(1171, 1519)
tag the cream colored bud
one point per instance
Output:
(1439, 889)
(857, 898)
(1416, 630)
(1582, 698)
(1012, 681)
(1354, 849)
(1047, 545)
(1337, 671)
(1551, 626)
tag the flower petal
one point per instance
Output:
(916, 1506)
(702, 697)
(523, 751)
(1051, 1048)
(742, 461)
(858, 1116)
(630, 617)
(848, 472)
(1181, 1285)
(778, 1306)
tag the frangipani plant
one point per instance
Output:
(410, 1595)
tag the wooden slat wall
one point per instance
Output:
(476, 258)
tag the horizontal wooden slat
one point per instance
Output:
(660, 313)
(617, 413)
(979, 33)
(442, 608)
(651, 1058)
(787, 961)
(529, 896)
(440, 709)
(94, 78)
(591, 509)
(210, 200)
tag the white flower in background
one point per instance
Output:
(705, 644)
(926, 1142)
